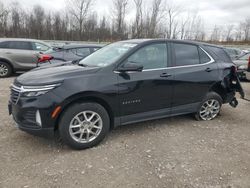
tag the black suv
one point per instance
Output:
(123, 83)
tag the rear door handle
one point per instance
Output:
(208, 70)
(165, 75)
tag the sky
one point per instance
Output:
(213, 12)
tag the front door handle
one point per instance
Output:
(165, 75)
(208, 70)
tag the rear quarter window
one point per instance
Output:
(204, 58)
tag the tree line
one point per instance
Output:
(154, 19)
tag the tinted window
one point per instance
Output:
(40, 47)
(220, 53)
(20, 45)
(203, 56)
(186, 54)
(83, 52)
(153, 56)
(4, 44)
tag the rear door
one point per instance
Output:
(195, 72)
(21, 54)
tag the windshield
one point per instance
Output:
(107, 55)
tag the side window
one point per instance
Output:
(153, 56)
(204, 58)
(4, 44)
(186, 54)
(40, 47)
(20, 45)
(83, 52)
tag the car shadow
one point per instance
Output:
(138, 129)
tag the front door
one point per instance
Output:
(144, 93)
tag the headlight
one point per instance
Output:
(34, 91)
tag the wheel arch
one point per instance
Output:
(80, 98)
(7, 61)
(219, 89)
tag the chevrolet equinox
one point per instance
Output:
(123, 83)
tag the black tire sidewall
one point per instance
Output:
(209, 96)
(71, 112)
(9, 69)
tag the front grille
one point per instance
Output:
(14, 94)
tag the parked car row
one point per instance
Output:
(123, 83)
(26, 54)
(241, 59)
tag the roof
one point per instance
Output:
(70, 46)
(20, 39)
(23, 40)
(139, 41)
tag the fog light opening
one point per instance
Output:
(38, 118)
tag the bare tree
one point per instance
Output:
(246, 29)
(239, 32)
(183, 27)
(79, 10)
(229, 31)
(172, 12)
(120, 11)
(3, 19)
(137, 27)
(216, 34)
(154, 18)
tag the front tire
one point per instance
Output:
(210, 107)
(5, 70)
(84, 125)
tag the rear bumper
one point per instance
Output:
(229, 97)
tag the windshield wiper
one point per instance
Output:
(82, 65)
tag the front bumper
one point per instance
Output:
(43, 132)
(25, 114)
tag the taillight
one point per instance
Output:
(43, 58)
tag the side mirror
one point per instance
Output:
(130, 67)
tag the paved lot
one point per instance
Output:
(173, 152)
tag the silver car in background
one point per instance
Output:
(19, 54)
(243, 64)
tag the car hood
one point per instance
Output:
(54, 74)
(55, 63)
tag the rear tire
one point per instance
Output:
(210, 107)
(5, 69)
(84, 125)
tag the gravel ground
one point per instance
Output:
(172, 152)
